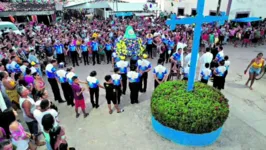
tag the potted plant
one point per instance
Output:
(188, 118)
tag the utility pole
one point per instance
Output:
(218, 8)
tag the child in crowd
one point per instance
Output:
(186, 72)
(111, 94)
(78, 96)
(226, 64)
(206, 74)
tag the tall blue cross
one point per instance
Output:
(198, 20)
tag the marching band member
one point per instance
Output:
(122, 65)
(51, 75)
(143, 66)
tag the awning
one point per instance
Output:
(144, 14)
(124, 14)
(249, 19)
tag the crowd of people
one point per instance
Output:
(25, 6)
(47, 51)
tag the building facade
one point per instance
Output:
(233, 8)
(247, 8)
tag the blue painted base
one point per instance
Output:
(183, 138)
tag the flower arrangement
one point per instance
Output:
(202, 111)
(130, 47)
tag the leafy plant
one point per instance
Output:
(201, 111)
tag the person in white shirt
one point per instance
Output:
(227, 65)
(27, 105)
(160, 73)
(186, 72)
(188, 57)
(122, 65)
(24, 66)
(38, 115)
(206, 74)
(205, 58)
(218, 81)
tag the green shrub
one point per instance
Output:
(201, 111)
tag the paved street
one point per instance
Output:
(131, 130)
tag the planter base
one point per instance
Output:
(183, 138)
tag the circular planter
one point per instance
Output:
(184, 138)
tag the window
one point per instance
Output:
(242, 15)
(180, 11)
(212, 13)
(194, 12)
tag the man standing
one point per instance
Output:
(188, 57)
(144, 66)
(160, 73)
(67, 90)
(205, 58)
(51, 75)
(117, 81)
(134, 80)
(59, 49)
(73, 53)
(27, 106)
(95, 48)
(122, 65)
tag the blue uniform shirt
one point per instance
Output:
(50, 71)
(220, 71)
(220, 56)
(143, 65)
(61, 75)
(116, 79)
(84, 48)
(177, 56)
(94, 46)
(92, 82)
(116, 58)
(133, 76)
(149, 41)
(160, 72)
(69, 77)
(72, 47)
(171, 44)
(165, 41)
(59, 48)
(206, 73)
(108, 47)
(122, 66)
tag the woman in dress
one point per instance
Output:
(254, 67)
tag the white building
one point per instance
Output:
(247, 8)
(233, 8)
(109, 8)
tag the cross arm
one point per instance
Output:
(209, 19)
(181, 21)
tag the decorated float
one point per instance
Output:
(130, 45)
